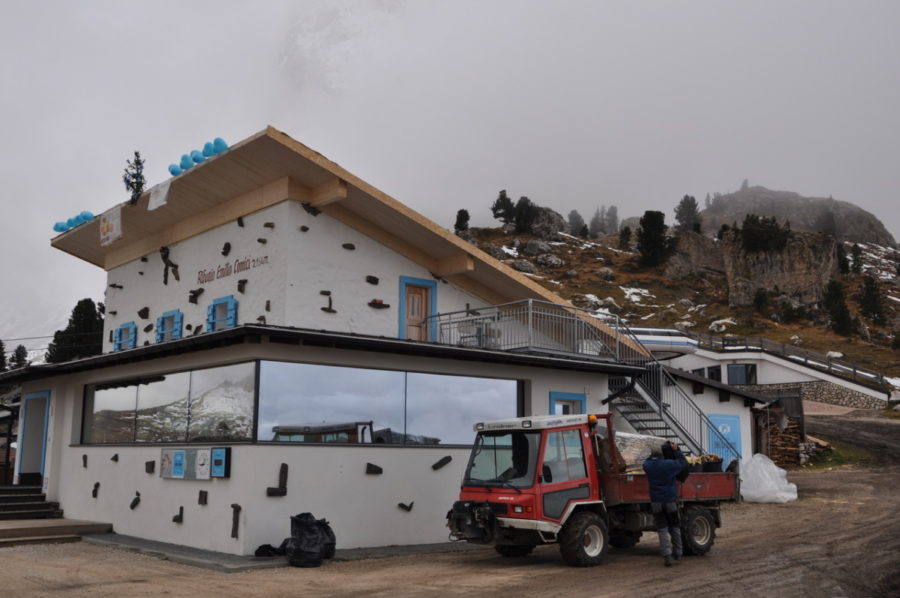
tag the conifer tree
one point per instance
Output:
(3, 366)
(134, 177)
(462, 221)
(856, 255)
(687, 215)
(836, 306)
(611, 220)
(576, 223)
(19, 358)
(651, 238)
(82, 337)
(503, 208)
(524, 214)
(843, 263)
(871, 303)
(625, 238)
(596, 225)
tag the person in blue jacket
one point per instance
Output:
(661, 477)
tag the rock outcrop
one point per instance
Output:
(695, 254)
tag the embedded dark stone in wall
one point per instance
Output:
(144, 258)
(261, 240)
(378, 304)
(84, 461)
(113, 312)
(372, 469)
(146, 343)
(198, 329)
(330, 309)
(325, 293)
(141, 273)
(148, 327)
(116, 286)
(314, 211)
(96, 489)
(372, 279)
(438, 277)
(349, 246)
(281, 490)
(242, 285)
(408, 507)
(304, 228)
(169, 265)
(193, 294)
(115, 458)
(268, 305)
(135, 501)
(202, 498)
(226, 248)
(143, 313)
(189, 327)
(261, 320)
(150, 466)
(442, 462)
(269, 225)
(235, 519)
(240, 221)
(179, 518)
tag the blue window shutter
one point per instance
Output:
(132, 340)
(178, 321)
(232, 312)
(160, 329)
(211, 317)
(117, 339)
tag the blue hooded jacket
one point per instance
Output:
(661, 477)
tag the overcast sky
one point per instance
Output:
(441, 104)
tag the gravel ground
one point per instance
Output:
(841, 538)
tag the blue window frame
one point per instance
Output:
(221, 314)
(27, 428)
(168, 326)
(125, 337)
(567, 403)
(431, 285)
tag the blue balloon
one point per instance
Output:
(174, 169)
(197, 156)
(208, 149)
(186, 162)
(219, 145)
(86, 216)
(78, 219)
(60, 227)
(71, 223)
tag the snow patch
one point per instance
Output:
(635, 294)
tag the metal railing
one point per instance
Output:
(836, 367)
(542, 327)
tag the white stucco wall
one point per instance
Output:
(287, 272)
(708, 402)
(329, 481)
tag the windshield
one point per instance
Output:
(503, 459)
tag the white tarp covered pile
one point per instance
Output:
(635, 448)
(763, 481)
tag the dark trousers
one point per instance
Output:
(668, 526)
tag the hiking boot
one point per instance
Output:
(676, 558)
(667, 561)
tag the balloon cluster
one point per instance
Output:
(210, 149)
(76, 220)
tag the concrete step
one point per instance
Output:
(28, 506)
(7, 490)
(8, 498)
(51, 527)
(48, 513)
(48, 539)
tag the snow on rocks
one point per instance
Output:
(721, 325)
(635, 295)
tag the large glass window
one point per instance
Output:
(162, 409)
(742, 373)
(503, 459)
(109, 414)
(317, 403)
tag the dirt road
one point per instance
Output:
(842, 538)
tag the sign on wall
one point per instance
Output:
(111, 226)
(195, 463)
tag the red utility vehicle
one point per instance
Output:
(544, 479)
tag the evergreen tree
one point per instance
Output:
(843, 263)
(836, 306)
(576, 223)
(707, 203)
(856, 255)
(462, 221)
(596, 225)
(625, 238)
(651, 238)
(524, 214)
(762, 234)
(3, 366)
(19, 358)
(611, 220)
(503, 208)
(134, 177)
(687, 215)
(584, 233)
(82, 337)
(871, 303)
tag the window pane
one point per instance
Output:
(109, 414)
(504, 458)
(315, 403)
(442, 409)
(714, 373)
(162, 409)
(737, 374)
(222, 403)
(563, 457)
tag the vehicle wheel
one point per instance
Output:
(513, 550)
(624, 539)
(583, 540)
(698, 531)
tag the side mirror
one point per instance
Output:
(546, 476)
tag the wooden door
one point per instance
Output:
(416, 311)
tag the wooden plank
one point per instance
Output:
(456, 264)
(326, 193)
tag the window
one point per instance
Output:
(418, 300)
(210, 405)
(563, 457)
(742, 373)
(699, 372)
(316, 403)
(168, 326)
(714, 373)
(125, 337)
(567, 403)
(221, 314)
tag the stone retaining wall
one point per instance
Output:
(823, 392)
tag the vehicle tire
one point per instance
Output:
(513, 550)
(698, 531)
(583, 540)
(624, 539)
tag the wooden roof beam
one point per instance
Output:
(455, 264)
(327, 193)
